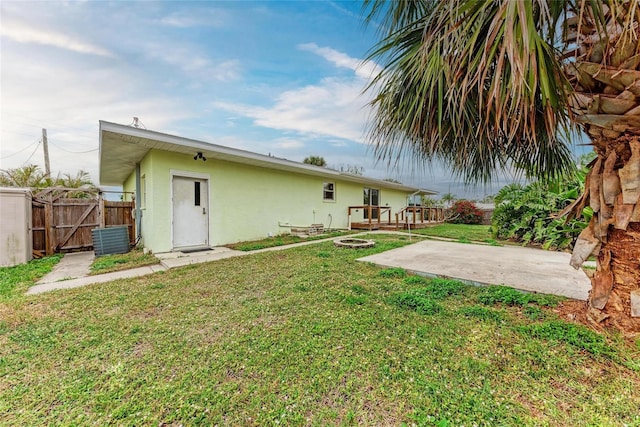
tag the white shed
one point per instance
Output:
(15, 226)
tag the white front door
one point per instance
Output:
(190, 212)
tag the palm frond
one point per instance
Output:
(475, 83)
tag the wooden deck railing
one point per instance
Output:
(373, 211)
(421, 213)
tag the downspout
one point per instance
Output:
(138, 205)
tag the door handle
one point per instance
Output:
(204, 211)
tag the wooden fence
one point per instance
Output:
(64, 225)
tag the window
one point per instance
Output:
(197, 193)
(329, 191)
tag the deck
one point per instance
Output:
(409, 217)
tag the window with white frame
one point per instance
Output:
(329, 191)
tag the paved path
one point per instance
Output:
(528, 269)
(72, 271)
(71, 266)
(522, 268)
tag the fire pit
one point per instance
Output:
(352, 243)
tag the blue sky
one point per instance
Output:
(284, 78)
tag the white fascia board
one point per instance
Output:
(248, 157)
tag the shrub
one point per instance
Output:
(527, 213)
(465, 212)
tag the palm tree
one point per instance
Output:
(81, 181)
(447, 199)
(492, 85)
(29, 176)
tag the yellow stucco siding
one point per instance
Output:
(246, 202)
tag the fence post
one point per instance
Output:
(49, 232)
(101, 212)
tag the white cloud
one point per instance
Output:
(363, 69)
(68, 102)
(193, 63)
(25, 34)
(289, 144)
(334, 107)
(202, 17)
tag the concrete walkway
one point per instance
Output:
(521, 268)
(528, 269)
(71, 266)
(73, 270)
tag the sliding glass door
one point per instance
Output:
(371, 198)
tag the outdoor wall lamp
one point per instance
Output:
(200, 156)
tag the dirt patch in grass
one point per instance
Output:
(572, 310)
(118, 262)
(284, 239)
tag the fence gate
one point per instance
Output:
(62, 224)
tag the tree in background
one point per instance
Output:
(352, 169)
(428, 201)
(315, 160)
(447, 199)
(81, 180)
(31, 176)
(488, 85)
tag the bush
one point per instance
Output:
(527, 213)
(465, 212)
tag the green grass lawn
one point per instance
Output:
(462, 232)
(14, 281)
(307, 336)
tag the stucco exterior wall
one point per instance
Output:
(146, 196)
(246, 202)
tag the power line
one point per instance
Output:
(34, 152)
(72, 152)
(17, 133)
(18, 152)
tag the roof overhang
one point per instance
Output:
(122, 147)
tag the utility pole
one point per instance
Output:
(45, 146)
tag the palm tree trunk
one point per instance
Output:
(619, 258)
(614, 234)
